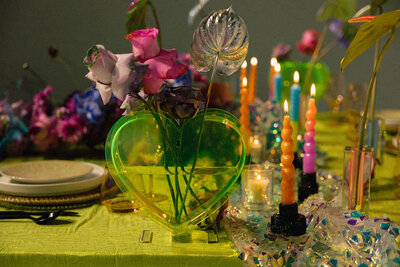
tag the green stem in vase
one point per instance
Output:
(200, 134)
(365, 113)
(371, 83)
(176, 158)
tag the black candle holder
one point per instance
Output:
(297, 161)
(288, 221)
(307, 186)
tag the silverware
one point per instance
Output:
(44, 217)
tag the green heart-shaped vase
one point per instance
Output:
(320, 75)
(147, 159)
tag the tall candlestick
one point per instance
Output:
(243, 73)
(277, 83)
(252, 79)
(294, 108)
(244, 107)
(309, 145)
(271, 79)
(287, 184)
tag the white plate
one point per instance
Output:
(391, 117)
(46, 171)
(83, 184)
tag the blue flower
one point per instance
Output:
(88, 105)
(183, 80)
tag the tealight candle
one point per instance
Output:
(244, 107)
(257, 187)
(256, 143)
(252, 79)
(287, 170)
(309, 145)
(294, 107)
(277, 83)
(273, 62)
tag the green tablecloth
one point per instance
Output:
(100, 238)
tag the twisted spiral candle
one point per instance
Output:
(309, 145)
(287, 170)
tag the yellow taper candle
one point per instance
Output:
(243, 73)
(244, 107)
(287, 170)
(252, 79)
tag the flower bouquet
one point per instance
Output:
(176, 156)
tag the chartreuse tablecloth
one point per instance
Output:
(101, 238)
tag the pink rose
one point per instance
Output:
(144, 43)
(112, 73)
(308, 42)
(161, 62)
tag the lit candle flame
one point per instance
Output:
(244, 65)
(253, 61)
(244, 82)
(258, 177)
(296, 77)
(273, 61)
(313, 90)
(256, 141)
(286, 107)
(277, 67)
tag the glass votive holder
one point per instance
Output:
(257, 187)
(257, 146)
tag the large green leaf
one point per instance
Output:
(136, 16)
(337, 9)
(369, 33)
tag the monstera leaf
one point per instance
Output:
(222, 35)
(369, 33)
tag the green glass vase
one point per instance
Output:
(151, 159)
(320, 75)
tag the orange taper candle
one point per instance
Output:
(243, 73)
(287, 170)
(244, 107)
(252, 79)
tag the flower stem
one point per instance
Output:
(200, 134)
(371, 83)
(153, 9)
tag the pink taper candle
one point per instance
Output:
(309, 145)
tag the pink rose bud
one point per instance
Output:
(144, 43)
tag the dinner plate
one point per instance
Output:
(46, 171)
(391, 117)
(78, 185)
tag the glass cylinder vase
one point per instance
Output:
(356, 179)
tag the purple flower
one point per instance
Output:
(344, 32)
(181, 102)
(42, 103)
(71, 129)
(88, 105)
(281, 51)
(42, 132)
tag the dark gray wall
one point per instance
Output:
(27, 28)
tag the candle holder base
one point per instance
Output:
(288, 221)
(308, 186)
(298, 161)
